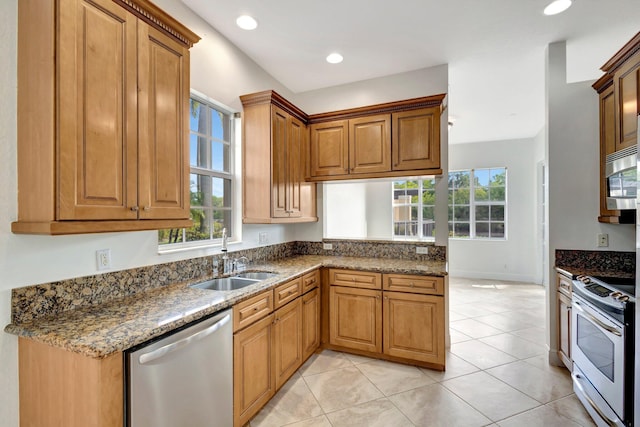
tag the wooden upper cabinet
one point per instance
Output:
(105, 145)
(329, 151)
(378, 141)
(626, 82)
(370, 144)
(607, 146)
(619, 91)
(97, 80)
(163, 111)
(416, 139)
(274, 157)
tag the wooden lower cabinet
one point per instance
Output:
(254, 377)
(287, 330)
(414, 326)
(268, 350)
(62, 388)
(310, 322)
(356, 318)
(564, 319)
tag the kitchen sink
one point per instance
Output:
(225, 283)
(256, 275)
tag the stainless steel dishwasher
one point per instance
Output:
(184, 379)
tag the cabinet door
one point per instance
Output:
(163, 114)
(355, 318)
(329, 154)
(295, 162)
(310, 323)
(288, 341)
(626, 86)
(253, 370)
(97, 111)
(416, 139)
(279, 164)
(607, 144)
(564, 329)
(414, 327)
(370, 144)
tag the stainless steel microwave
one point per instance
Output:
(622, 176)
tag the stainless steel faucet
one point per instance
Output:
(224, 239)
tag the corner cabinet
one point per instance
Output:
(385, 140)
(274, 147)
(619, 98)
(389, 316)
(103, 104)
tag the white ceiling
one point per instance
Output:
(494, 48)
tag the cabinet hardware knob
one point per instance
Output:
(147, 208)
(134, 208)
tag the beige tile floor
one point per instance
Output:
(497, 374)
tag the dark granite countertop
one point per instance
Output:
(579, 271)
(100, 330)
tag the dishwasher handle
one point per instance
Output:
(169, 348)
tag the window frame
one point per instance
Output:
(420, 237)
(473, 204)
(231, 175)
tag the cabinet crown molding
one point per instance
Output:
(156, 17)
(387, 107)
(628, 50)
(273, 97)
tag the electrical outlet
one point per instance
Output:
(263, 238)
(422, 250)
(327, 246)
(103, 258)
(603, 240)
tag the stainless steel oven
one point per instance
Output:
(602, 350)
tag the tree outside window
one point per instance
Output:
(211, 178)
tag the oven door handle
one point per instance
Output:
(576, 381)
(597, 321)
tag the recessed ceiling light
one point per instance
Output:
(334, 58)
(246, 22)
(557, 6)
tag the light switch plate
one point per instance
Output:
(422, 250)
(327, 246)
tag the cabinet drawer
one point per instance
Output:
(310, 281)
(415, 284)
(287, 292)
(255, 308)
(564, 285)
(355, 279)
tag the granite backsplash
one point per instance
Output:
(45, 299)
(597, 261)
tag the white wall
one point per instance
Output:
(572, 146)
(516, 257)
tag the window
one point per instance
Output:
(211, 179)
(477, 203)
(413, 209)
